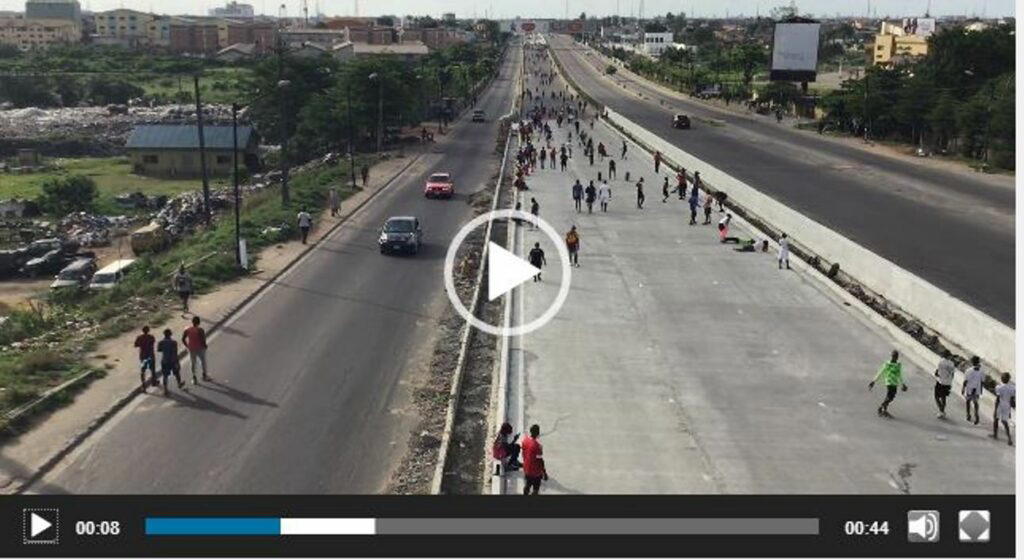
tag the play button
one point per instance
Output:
(37, 525)
(40, 525)
(505, 271)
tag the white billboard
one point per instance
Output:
(795, 52)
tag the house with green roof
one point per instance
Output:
(172, 150)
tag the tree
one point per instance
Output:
(942, 120)
(63, 195)
(747, 57)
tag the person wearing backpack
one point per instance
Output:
(505, 449)
(572, 243)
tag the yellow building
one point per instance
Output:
(128, 25)
(893, 43)
(29, 34)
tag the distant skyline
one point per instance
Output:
(557, 8)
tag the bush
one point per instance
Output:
(67, 194)
(610, 70)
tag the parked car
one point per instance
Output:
(49, 263)
(111, 275)
(76, 274)
(439, 185)
(681, 121)
(401, 233)
(479, 115)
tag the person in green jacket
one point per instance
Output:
(892, 371)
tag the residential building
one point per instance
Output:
(434, 37)
(262, 34)
(194, 37)
(894, 43)
(654, 43)
(159, 30)
(375, 35)
(234, 10)
(29, 34)
(299, 36)
(69, 10)
(341, 51)
(343, 22)
(172, 150)
(130, 27)
(406, 51)
(236, 52)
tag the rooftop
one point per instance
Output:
(186, 137)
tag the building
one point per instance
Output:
(655, 43)
(172, 150)
(234, 10)
(343, 22)
(262, 34)
(434, 37)
(409, 51)
(194, 37)
(69, 10)
(341, 51)
(236, 52)
(895, 43)
(298, 37)
(129, 27)
(31, 34)
(374, 35)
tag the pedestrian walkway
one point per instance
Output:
(679, 365)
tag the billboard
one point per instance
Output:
(919, 26)
(795, 52)
(528, 26)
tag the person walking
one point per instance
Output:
(146, 343)
(537, 259)
(604, 195)
(664, 191)
(305, 223)
(564, 159)
(590, 153)
(333, 201)
(971, 389)
(694, 204)
(708, 201)
(1006, 401)
(681, 183)
(534, 209)
(365, 172)
(623, 155)
(543, 157)
(194, 339)
(784, 251)
(892, 373)
(182, 284)
(943, 381)
(534, 470)
(591, 194)
(169, 364)
(572, 243)
(657, 162)
(577, 195)
(640, 194)
(611, 168)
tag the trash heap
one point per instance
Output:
(91, 230)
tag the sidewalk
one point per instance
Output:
(25, 455)
(679, 365)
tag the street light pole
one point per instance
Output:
(282, 86)
(351, 143)
(238, 195)
(380, 109)
(202, 155)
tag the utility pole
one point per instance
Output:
(867, 115)
(380, 109)
(202, 154)
(282, 85)
(238, 195)
(351, 142)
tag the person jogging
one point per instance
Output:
(305, 223)
(971, 389)
(194, 339)
(1006, 401)
(572, 243)
(537, 259)
(657, 162)
(640, 193)
(604, 195)
(591, 195)
(146, 344)
(169, 364)
(182, 285)
(611, 168)
(534, 209)
(664, 191)
(892, 373)
(784, 251)
(534, 470)
(577, 195)
(943, 381)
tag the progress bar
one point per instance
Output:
(280, 526)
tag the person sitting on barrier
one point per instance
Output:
(506, 450)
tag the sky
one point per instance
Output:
(559, 8)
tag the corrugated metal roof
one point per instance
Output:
(186, 137)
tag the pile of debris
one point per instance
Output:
(90, 230)
(182, 213)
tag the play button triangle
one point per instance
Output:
(37, 525)
(505, 271)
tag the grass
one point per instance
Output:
(216, 85)
(113, 176)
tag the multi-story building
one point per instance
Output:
(128, 26)
(261, 34)
(896, 42)
(234, 10)
(30, 34)
(298, 36)
(375, 35)
(655, 43)
(159, 31)
(54, 9)
(435, 37)
(196, 37)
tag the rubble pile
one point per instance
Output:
(90, 230)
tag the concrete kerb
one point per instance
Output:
(123, 401)
(453, 396)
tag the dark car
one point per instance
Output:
(401, 234)
(681, 121)
(48, 263)
(479, 115)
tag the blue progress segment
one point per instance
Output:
(213, 526)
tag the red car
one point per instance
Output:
(439, 185)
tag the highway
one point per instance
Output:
(954, 229)
(313, 381)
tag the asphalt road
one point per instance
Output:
(954, 229)
(313, 380)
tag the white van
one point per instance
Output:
(110, 275)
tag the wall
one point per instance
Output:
(955, 320)
(179, 163)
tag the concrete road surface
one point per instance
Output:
(312, 382)
(679, 365)
(954, 229)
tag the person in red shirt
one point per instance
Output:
(194, 339)
(146, 343)
(533, 461)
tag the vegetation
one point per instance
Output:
(71, 193)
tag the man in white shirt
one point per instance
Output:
(972, 387)
(1006, 400)
(943, 382)
(784, 251)
(305, 222)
